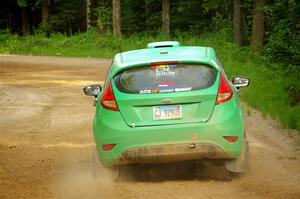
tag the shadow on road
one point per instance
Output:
(201, 170)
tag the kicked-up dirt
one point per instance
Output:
(46, 143)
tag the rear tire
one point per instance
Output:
(102, 172)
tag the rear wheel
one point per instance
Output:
(102, 172)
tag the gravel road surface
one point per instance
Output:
(46, 143)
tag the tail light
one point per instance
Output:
(108, 100)
(225, 92)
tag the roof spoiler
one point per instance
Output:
(163, 44)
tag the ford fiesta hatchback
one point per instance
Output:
(169, 103)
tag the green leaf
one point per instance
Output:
(22, 3)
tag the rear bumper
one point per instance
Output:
(171, 153)
(169, 143)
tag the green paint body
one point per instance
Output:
(133, 126)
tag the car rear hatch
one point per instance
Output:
(166, 93)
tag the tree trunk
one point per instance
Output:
(45, 13)
(258, 28)
(147, 13)
(237, 23)
(117, 18)
(88, 11)
(70, 27)
(9, 24)
(244, 26)
(25, 21)
(166, 16)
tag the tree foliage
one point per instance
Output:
(283, 39)
(281, 36)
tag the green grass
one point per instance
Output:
(274, 88)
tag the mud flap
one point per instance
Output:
(241, 164)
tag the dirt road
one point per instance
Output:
(46, 143)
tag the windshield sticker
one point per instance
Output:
(154, 90)
(164, 70)
(166, 90)
(183, 89)
(165, 87)
(163, 66)
(145, 91)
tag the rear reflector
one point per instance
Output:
(108, 147)
(225, 92)
(108, 100)
(231, 138)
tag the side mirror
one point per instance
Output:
(92, 90)
(240, 82)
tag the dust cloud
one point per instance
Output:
(80, 181)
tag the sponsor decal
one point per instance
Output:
(166, 90)
(163, 66)
(164, 70)
(155, 90)
(145, 91)
(158, 66)
(165, 87)
(183, 89)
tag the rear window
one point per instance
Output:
(165, 78)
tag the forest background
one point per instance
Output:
(255, 38)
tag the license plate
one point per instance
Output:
(167, 112)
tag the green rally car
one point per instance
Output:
(169, 103)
